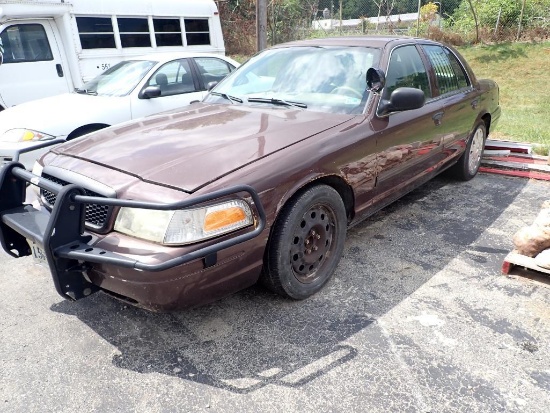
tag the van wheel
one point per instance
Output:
(306, 243)
(468, 164)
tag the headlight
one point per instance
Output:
(184, 226)
(24, 135)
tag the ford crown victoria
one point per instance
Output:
(259, 181)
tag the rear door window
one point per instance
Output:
(212, 69)
(449, 73)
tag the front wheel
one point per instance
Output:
(306, 243)
(468, 164)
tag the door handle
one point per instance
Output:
(474, 103)
(59, 69)
(437, 118)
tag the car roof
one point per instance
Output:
(365, 41)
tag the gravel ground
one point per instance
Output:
(417, 319)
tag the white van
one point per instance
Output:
(50, 47)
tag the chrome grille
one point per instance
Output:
(96, 215)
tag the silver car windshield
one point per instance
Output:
(118, 80)
(325, 79)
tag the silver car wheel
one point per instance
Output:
(476, 151)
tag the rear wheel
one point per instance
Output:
(306, 244)
(468, 164)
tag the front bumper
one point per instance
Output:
(79, 268)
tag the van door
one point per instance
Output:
(32, 66)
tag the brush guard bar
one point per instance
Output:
(61, 233)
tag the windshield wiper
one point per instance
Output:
(230, 98)
(85, 91)
(276, 101)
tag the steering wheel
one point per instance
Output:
(339, 89)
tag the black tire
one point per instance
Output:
(306, 243)
(468, 164)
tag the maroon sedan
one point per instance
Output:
(259, 181)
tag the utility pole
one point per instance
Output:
(261, 24)
(340, 16)
(418, 19)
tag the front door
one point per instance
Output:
(32, 67)
(178, 88)
(409, 143)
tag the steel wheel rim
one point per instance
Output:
(312, 242)
(476, 150)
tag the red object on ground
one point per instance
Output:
(517, 150)
(522, 159)
(520, 174)
(507, 267)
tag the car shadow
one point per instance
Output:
(255, 338)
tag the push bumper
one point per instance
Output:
(61, 235)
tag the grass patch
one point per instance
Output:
(521, 71)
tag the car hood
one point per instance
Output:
(61, 114)
(188, 149)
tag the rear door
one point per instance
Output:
(211, 70)
(32, 66)
(409, 143)
(457, 95)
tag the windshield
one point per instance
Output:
(119, 80)
(324, 79)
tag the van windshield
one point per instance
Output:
(119, 80)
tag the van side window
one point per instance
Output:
(26, 43)
(134, 32)
(197, 32)
(167, 32)
(96, 32)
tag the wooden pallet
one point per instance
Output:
(514, 259)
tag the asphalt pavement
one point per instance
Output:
(418, 318)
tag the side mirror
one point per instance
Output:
(376, 79)
(211, 85)
(401, 99)
(150, 92)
